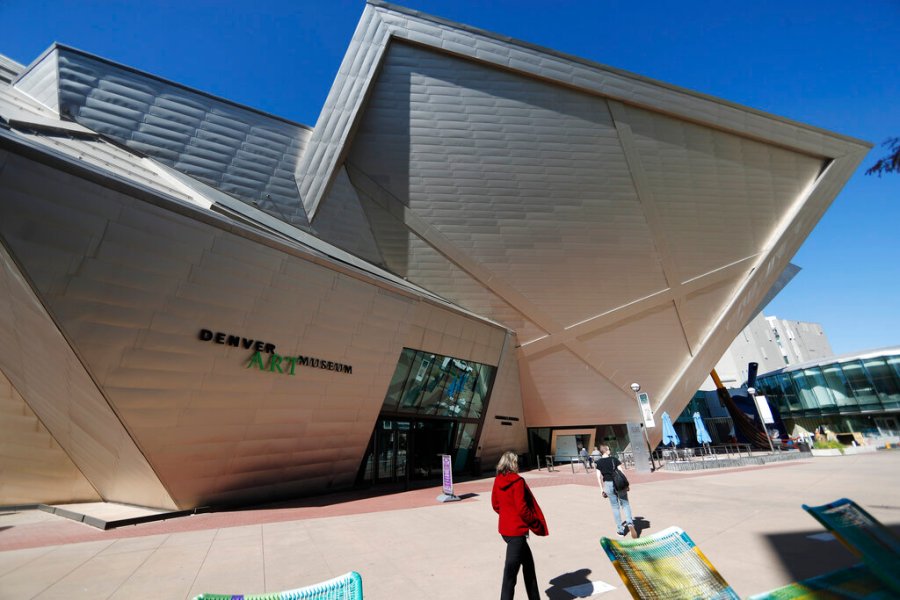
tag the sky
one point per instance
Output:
(829, 63)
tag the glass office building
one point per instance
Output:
(851, 393)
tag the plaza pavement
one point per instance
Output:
(747, 521)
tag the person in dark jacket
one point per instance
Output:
(519, 513)
(621, 508)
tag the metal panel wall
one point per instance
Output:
(33, 466)
(42, 368)
(131, 284)
(243, 152)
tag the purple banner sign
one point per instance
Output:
(448, 474)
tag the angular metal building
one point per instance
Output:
(201, 303)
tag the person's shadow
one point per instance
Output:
(575, 579)
(640, 524)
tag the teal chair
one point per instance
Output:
(345, 587)
(877, 578)
(864, 536)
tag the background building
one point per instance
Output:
(856, 395)
(768, 341)
(207, 304)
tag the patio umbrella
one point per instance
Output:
(669, 436)
(702, 434)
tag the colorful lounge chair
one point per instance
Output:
(863, 535)
(876, 579)
(666, 565)
(345, 587)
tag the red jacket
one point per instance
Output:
(519, 511)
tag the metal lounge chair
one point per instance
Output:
(879, 575)
(666, 565)
(345, 587)
(864, 536)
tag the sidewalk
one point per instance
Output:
(407, 546)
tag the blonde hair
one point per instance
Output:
(509, 463)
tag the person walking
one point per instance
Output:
(519, 513)
(621, 508)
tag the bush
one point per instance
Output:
(828, 444)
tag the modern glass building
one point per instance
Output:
(849, 393)
(205, 304)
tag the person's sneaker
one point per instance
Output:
(622, 532)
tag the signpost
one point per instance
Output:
(646, 413)
(646, 464)
(447, 467)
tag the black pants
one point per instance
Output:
(518, 553)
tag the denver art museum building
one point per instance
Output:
(203, 304)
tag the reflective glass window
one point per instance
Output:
(398, 381)
(859, 382)
(807, 397)
(886, 385)
(789, 392)
(431, 384)
(819, 387)
(419, 377)
(770, 387)
(837, 383)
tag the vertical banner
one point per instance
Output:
(765, 413)
(447, 468)
(448, 474)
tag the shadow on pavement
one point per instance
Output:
(803, 556)
(558, 585)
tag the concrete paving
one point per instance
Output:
(407, 546)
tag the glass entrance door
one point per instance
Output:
(391, 449)
(405, 450)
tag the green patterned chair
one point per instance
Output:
(345, 587)
(666, 565)
(877, 578)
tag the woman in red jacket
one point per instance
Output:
(519, 513)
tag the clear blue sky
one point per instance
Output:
(829, 63)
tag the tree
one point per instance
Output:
(891, 162)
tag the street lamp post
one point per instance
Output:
(636, 387)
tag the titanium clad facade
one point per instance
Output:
(227, 299)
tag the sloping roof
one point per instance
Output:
(626, 229)
(32, 125)
(239, 150)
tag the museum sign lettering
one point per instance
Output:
(273, 362)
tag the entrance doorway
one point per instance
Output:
(407, 450)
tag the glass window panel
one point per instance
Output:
(819, 387)
(894, 363)
(859, 383)
(882, 376)
(433, 401)
(789, 391)
(837, 383)
(398, 381)
(807, 398)
(771, 389)
(431, 384)
(480, 389)
(418, 380)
